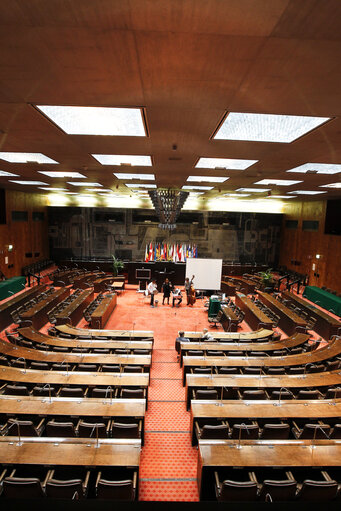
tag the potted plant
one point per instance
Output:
(117, 265)
(267, 279)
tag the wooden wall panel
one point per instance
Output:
(303, 246)
(26, 237)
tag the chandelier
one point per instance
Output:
(168, 204)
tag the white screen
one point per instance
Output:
(207, 273)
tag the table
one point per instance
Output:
(13, 303)
(324, 299)
(38, 313)
(289, 320)
(259, 335)
(114, 334)
(15, 284)
(74, 311)
(253, 314)
(229, 320)
(101, 314)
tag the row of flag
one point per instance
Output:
(169, 252)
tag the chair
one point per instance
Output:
(228, 370)
(208, 431)
(116, 490)
(43, 391)
(125, 430)
(40, 366)
(252, 370)
(195, 353)
(104, 351)
(254, 394)
(67, 489)
(72, 392)
(214, 320)
(239, 491)
(16, 427)
(245, 431)
(206, 394)
(285, 395)
(316, 368)
(60, 429)
(308, 394)
(22, 488)
(132, 369)
(141, 352)
(296, 370)
(336, 432)
(92, 429)
(275, 432)
(276, 370)
(317, 490)
(87, 368)
(202, 370)
(311, 431)
(211, 353)
(133, 394)
(333, 393)
(278, 490)
(109, 368)
(332, 365)
(16, 390)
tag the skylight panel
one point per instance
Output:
(81, 183)
(123, 159)
(26, 158)
(317, 168)
(29, 183)
(306, 192)
(147, 177)
(62, 174)
(197, 187)
(331, 185)
(253, 190)
(224, 163)
(266, 127)
(7, 174)
(278, 182)
(88, 120)
(208, 179)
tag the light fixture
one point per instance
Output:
(62, 174)
(331, 185)
(7, 174)
(280, 197)
(26, 158)
(208, 179)
(253, 190)
(147, 177)
(236, 195)
(140, 185)
(52, 189)
(28, 183)
(224, 163)
(266, 127)
(278, 182)
(89, 120)
(168, 204)
(81, 183)
(123, 159)
(318, 256)
(317, 168)
(197, 187)
(305, 192)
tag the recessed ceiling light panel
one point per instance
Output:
(7, 174)
(331, 185)
(280, 197)
(195, 187)
(29, 183)
(266, 127)
(123, 159)
(236, 194)
(81, 183)
(61, 174)
(306, 192)
(147, 177)
(278, 182)
(26, 158)
(52, 189)
(208, 179)
(224, 163)
(318, 168)
(140, 185)
(89, 120)
(253, 190)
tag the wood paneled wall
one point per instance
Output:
(26, 237)
(303, 246)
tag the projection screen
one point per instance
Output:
(207, 273)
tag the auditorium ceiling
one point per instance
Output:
(188, 69)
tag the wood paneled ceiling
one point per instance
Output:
(187, 63)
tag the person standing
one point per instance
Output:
(151, 291)
(166, 288)
(187, 285)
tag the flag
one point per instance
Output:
(146, 256)
(151, 255)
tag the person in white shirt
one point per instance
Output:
(151, 291)
(206, 336)
(177, 297)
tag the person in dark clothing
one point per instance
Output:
(180, 339)
(166, 288)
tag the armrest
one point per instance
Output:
(197, 429)
(253, 477)
(326, 475)
(86, 391)
(3, 473)
(12, 474)
(217, 482)
(289, 475)
(40, 423)
(296, 427)
(86, 480)
(99, 475)
(49, 475)
(135, 480)
(108, 427)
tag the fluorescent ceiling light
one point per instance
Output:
(331, 185)
(30, 183)
(209, 179)
(195, 194)
(52, 189)
(224, 163)
(278, 182)
(26, 158)
(81, 183)
(88, 120)
(306, 192)
(147, 177)
(266, 127)
(111, 196)
(318, 168)
(251, 190)
(61, 174)
(123, 159)
(194, 187)
(236, 194)
(70, 193)
(140, 185)
(280, 197)
(3, 174)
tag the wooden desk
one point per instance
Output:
(113, 334)
(67, 277)
(261, 334)
(245, 286)
(244, 381)
(73, 312)
(313, 409)
(213, 454)
(70, 451)
(11, 305)
(288, 319)
(326, 325)
(38, 313)
(73, 358)
(37, 337)
(118, 286)
(229, 288)
(102, 283)
(253, 314)
(102, 313)
(81, 282)
(229, 319)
